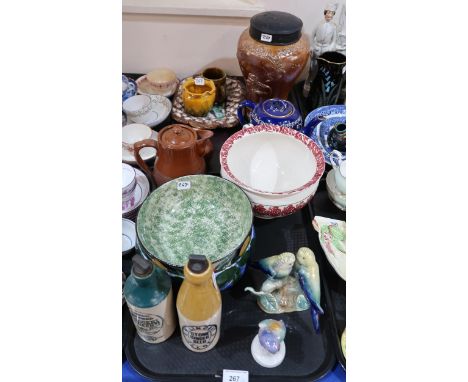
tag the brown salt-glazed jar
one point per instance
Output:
(272, 53)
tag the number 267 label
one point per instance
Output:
(184, 185)
(235, 376)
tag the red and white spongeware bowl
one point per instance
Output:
(277, 167)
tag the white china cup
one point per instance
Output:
(136, 132)
(128, 236)
(139, 108)
(129, 183)
(339, 165)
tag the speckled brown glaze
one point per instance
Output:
(270, 70)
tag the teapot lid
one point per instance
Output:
(177, 136)
(276, 107)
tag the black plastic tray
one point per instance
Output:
(309, 356)
(321, 205)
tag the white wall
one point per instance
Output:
(170, 35)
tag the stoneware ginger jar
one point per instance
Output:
(272, 54)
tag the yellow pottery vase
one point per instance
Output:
(198, 99)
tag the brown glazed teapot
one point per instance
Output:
(180, 151)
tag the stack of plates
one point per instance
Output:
(141, 191)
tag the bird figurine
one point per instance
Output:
(308, 273)
(271, 334)
(277, 266)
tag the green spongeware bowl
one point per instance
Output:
(196, 214)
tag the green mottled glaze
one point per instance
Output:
(211, 218)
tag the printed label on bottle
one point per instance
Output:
(265, 37)
(155, 324)
(200, 336)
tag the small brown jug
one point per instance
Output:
(180, 151)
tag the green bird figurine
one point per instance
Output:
(308, 273)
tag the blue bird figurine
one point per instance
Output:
(308, 273)
(277, 266)
(271, 334)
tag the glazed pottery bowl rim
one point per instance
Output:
(270, 128)
(227, 253)
(214, 69)
(191, 81)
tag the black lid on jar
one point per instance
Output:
(275, 28)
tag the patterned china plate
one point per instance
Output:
(196, 214)
(146, 152)
(141, 192)
(319, 134)
(322, 131)
(332, 237)
(161, 109)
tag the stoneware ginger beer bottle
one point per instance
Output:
(199, 305)
(148, 292)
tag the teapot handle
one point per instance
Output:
(141, 163)
(335, 158)
(240, 109)
(204, 145)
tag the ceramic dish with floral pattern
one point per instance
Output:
(332, 237)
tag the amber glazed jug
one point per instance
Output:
(272, 54)
(181, 151)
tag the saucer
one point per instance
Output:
(337, 198)
(146, 153)
(332, 237)
(160, 109)
(142, 190)
(144, 87)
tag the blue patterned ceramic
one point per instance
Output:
(320, 123)
(275, 111)
(129, 87)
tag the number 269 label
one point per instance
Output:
(235, 376)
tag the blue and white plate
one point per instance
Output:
(320, 122)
